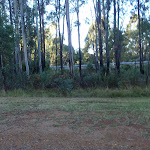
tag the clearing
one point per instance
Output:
(41, 123)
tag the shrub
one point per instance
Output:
(132, 76)
(112, 80)
(63, 85)
(91, 80)
(90, 68)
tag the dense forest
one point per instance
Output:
(33, 53)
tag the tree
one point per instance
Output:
(60, 38)
(96, 26)
(116, 40)
(78, 23)
(56, 24)
(29, 30)
(37, 31)
(41, 37)
(140, 48)
(118, 48)
(17, 47)
(71, 62)
(43, 25)
(132, 42)
(106, 36)
(100, 34)
(10, 11)
(6, 50)
(24, 36)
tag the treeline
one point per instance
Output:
(29, 47)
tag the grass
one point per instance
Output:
(91, 92)
(124, 111)
(110, 107)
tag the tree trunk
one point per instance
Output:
(41, 37)
(56, 33)
(56, 46)
(24, 37)
(38, 39)
(17, 48)
(29, 53)
(115, 44)
(10, 11)
(60, 41)
(63, 31)
(104, 24)
(100, 35)
(35, 55)
(96, 24)
(147, 76)
(2, 65)
(106, 38)
(141, 60)
(43, 41)
(69, 38)
(79, 38)
(118, 45)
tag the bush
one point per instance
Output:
(64, 85)
(90, 80)
(90, 68)
(112, 80)
(132, 76)
(63, 81)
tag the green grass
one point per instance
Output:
(91, 92)
(125, 111)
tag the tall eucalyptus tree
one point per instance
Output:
(43, 41)
(60, 37)
(38, 39)
(17, 47)
(78, 23)
(24, 36)
(71, 61)
(106, 36)
(115, 35)
(41, 37)
(56, 8)
(100, 34)
(96, 26)
(118, 36)
(140, 47)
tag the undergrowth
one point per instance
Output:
(80, 92)
(128, 83)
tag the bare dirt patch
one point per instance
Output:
(48, 130)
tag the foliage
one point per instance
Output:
(129, 76)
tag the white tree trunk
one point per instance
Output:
(79, 38)
(24, 37)
(69, 38)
